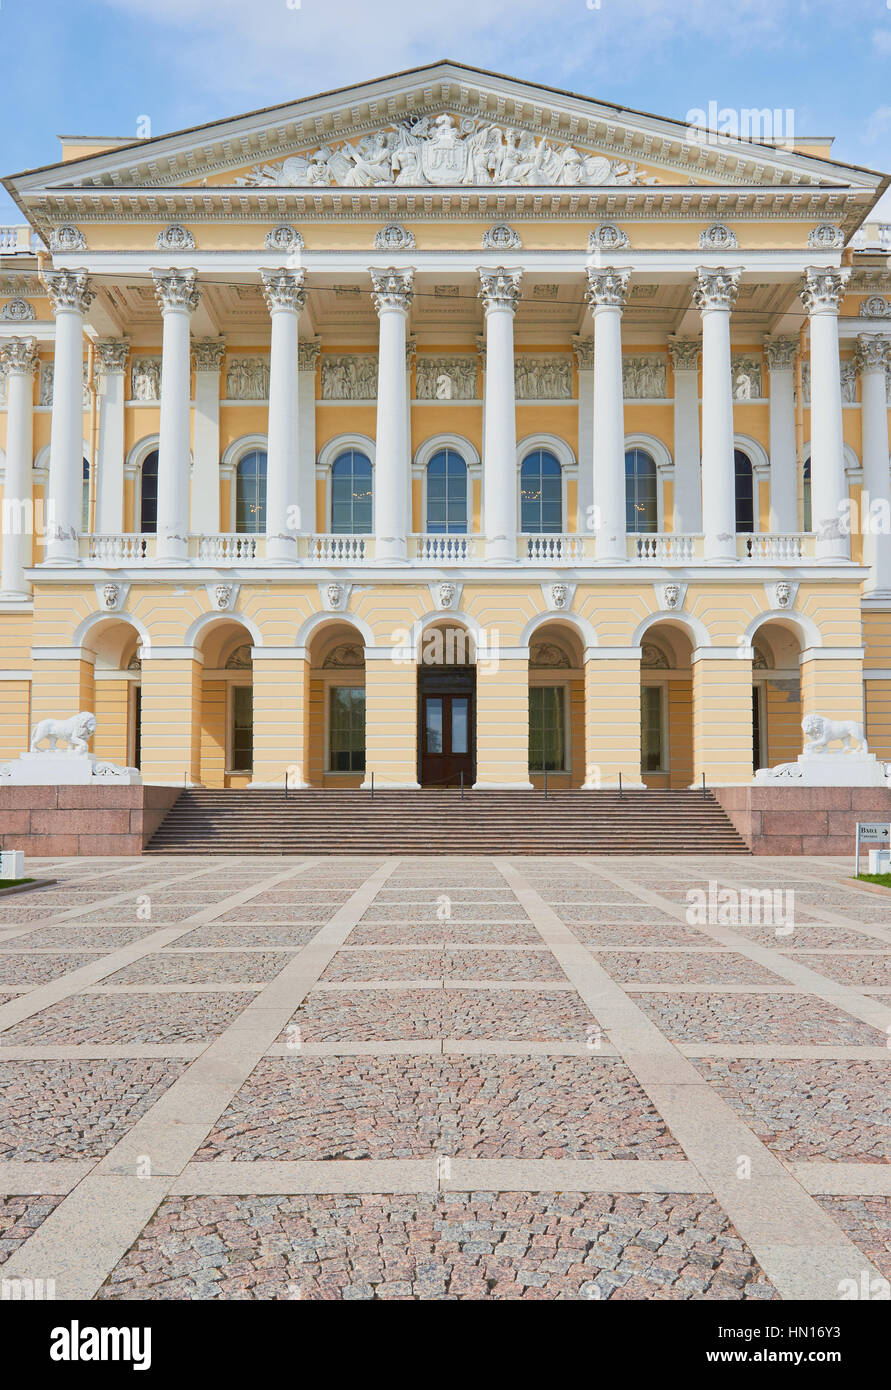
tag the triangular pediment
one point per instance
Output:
(445, 125)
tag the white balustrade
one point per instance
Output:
(329, 549)
(444, 550)
(553, 548)
(111, 550)
(234, 547)
(662, 548)
(774, 548)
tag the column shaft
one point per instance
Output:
(205, 511)
(285, 299)
(392, 297)
(872, 357)
(111, 356)
(821, 294)
(308, 355)
(714, 296)
(783, 454)
(500, 293)
(722, 716)
(71, 296)
(606, 295)
(177, 297)
(687, 475)
(18, 359)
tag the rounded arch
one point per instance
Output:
(245, 444)
(340, 443)
(87, 632)
(852, 462)
(757, 454)
(311, 625)
(198, 629)
(805, 628)
(658, 451)
(139, 453)
(439, 617)
(552, 444)
(694, 627)
(586, 632)
(461, 445)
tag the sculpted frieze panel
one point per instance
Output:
(543, 378)
(746, 374)
(349, 377)
(145, 379)
(441, 150)
(446, 378)
(247, 379)
(643, 378)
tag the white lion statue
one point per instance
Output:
(76, 732)
(820, 732)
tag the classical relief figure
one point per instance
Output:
(349, 378)
(145, 379)
(446, 379)
(543, 378)
(247, 379)
(643, 378)
(746, 374)
(439, 150)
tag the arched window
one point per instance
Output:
(745, 492)
(148, 494)
(641, 503)
(85, 500)
(447, 494)
(351, 494)
(541, 493)
(806, 518)
(250, 492)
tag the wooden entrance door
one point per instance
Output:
(446, 727)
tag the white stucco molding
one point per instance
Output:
(694, 627)
(805, 628)
(83, 630)
(340, 443)
(831, 654)
(198, 629)
(586, 631)
(310, 626)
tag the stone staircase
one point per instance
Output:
(441, 822)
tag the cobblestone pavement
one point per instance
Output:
(451, 1078)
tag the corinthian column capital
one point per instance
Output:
(112, 354)
(716, 287)
(69, 289)
(780, 353)
(685, 354)
(19, 356)
(607, 287)
(822, 290)
(209, 353)
(872, 354)
(392, 289)
(176, 289)
(500, 288)
(283, 289)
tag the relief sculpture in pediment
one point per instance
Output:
(439, 150)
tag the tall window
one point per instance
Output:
(148, 494)
(241, 755)
(745, 492)
(541, 493)
(806, 519)
(641, 506)
(250, 492)
(547, 728)
(85, 500)
(351, 494)
(346, 729)
(652, 749)
(447, 494)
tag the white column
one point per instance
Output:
(873, 355)
(71, 296)
(783, 453)
(205, 511)
(606, 296)
(178, 298)
(584, 355)
(687, 473)
(18, 362)
(500, 293)
(307, 358)
(286, 300)
(821, 295)
(111, 356)
(392, 295)
(714, 296)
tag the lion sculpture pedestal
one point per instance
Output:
(72, 766)
(848, 764)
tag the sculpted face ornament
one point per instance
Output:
(784, 594)
(559, 595)
(671, 594)
(110, 594)
(335, 595)
(222, 595)
(446, 595)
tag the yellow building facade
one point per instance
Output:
(445, 428)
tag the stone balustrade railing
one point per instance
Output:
(765, 546)
(444, 550)
(664, 548)
(552, 548)
(232, 549)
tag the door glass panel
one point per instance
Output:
(433, 722)
(459, 725)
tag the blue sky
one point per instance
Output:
(95, 67)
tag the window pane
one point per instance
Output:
(641, 510)
(447, 494)
(806, 521)
(651, 727)
(242, 728)
(541, 493)
(148, 494)
(433, 725)
(346, 732)
(351, 494)
(459, 725)
(547, 734)
(745, 492)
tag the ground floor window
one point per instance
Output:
(346, 729)
(547, 728)
(651, 728)
(241, 749)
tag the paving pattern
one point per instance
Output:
(450, 1078)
